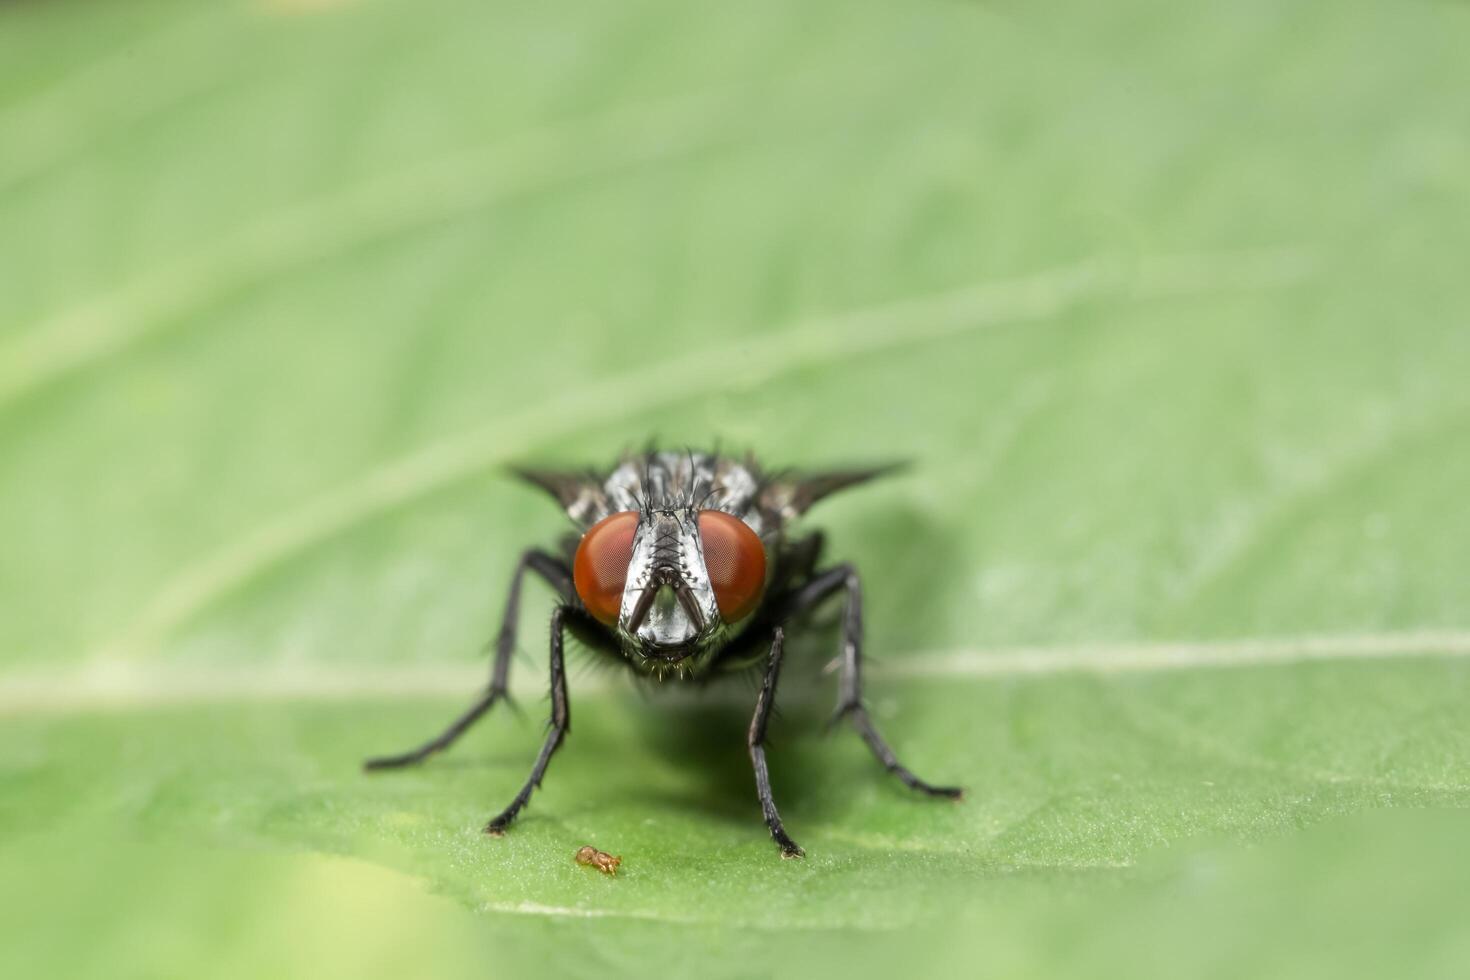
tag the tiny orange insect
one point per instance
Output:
(601, 860)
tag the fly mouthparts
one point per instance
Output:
(683, 594)
(643, 605)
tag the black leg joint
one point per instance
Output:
(556, 574)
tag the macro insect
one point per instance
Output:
(686, 567)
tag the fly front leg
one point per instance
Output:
(756, 739)
(850, 683)
(555, 572)
(561, 721)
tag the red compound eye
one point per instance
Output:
(601, 565)
(736, 562)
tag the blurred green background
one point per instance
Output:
(1167, 303)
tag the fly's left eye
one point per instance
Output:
(600, 568)
(736, 562)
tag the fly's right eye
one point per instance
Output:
(601, 566)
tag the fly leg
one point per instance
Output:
(799, 563)
(561, 722)
(850, 684)
(556, 574)
(756, 739)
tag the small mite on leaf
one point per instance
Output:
(601, 860)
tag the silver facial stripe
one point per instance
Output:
(668, 600)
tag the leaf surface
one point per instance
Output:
(1166, 307)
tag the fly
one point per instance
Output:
(685, 565)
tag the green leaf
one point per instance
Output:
(1166, 306)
